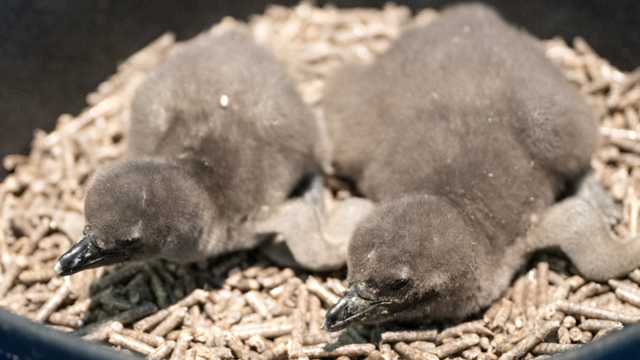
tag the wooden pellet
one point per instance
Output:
(79, 307)
(597, 324)
(408, 336)
(354, 333)
(315, 317)
(131, 344)
(573, 308)
(563, 335)
(628, 296)
(274, 353)
(54, 303)
(336, 286)
(173, 335)
(575, 334)
(423, 345)
(163, 351)
(625, 285)
(190, 354)
(475, 327)
(501, 316)
(491, 312)
(220, 353)
(322, 337)
(65, 319)
(543, 283)
(133, 286)
(157, 286)
(586, 337)
(277, 278)
(146, 338)
(587, 291)
(484, 343)
(410, 353)
(298, 318)
(197, 296)
(375, 355)
(215, 337)
(266, 330)
(171, 322)
(462, 343)
(575, 282)
(241, 283)
(388, 353)
(194, 317)
(236, 346)
(254, 299)
(351, 350)
(531, 300)
(110, 303)
(562, 291)
(569, 322)
(538, 336)
(164, 274)
(472, 353)
(258, 342)
(315, 287)
(287, 290)
(117, 276)
(125, 317)
(233, 312)
(101, 333)
(36, 276)
(181, 346)
(605, 300)
(551, 348)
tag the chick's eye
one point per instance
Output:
(130, 242)
(398, 284)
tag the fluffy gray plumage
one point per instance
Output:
(199, 169)
(463, 132)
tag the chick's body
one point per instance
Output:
(217, 131)
(462, 131)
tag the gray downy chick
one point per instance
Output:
(466, 135)
(217, 132)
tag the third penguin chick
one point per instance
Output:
(217, 131)
(464, 132)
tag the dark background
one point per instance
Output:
(53, 52)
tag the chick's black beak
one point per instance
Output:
(86, 255)
(352, 308)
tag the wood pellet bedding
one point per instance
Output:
(242, 306)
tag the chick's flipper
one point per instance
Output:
(581, 231)
(317, 241)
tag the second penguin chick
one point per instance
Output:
(466, 135)
(217, 131)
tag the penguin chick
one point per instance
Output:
(466, 135)
(217, 131)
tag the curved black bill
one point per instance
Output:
(352, 308)
(86, 255)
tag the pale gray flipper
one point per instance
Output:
(580, 230)
(316, 241)
(590, 189)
